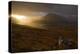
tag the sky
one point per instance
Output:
(25, 7)
(37, 11)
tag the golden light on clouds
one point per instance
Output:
(19, 17)
(33, 21)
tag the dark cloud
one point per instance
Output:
(57, 14)
(25, 7)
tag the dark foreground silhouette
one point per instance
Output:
(24, 38)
